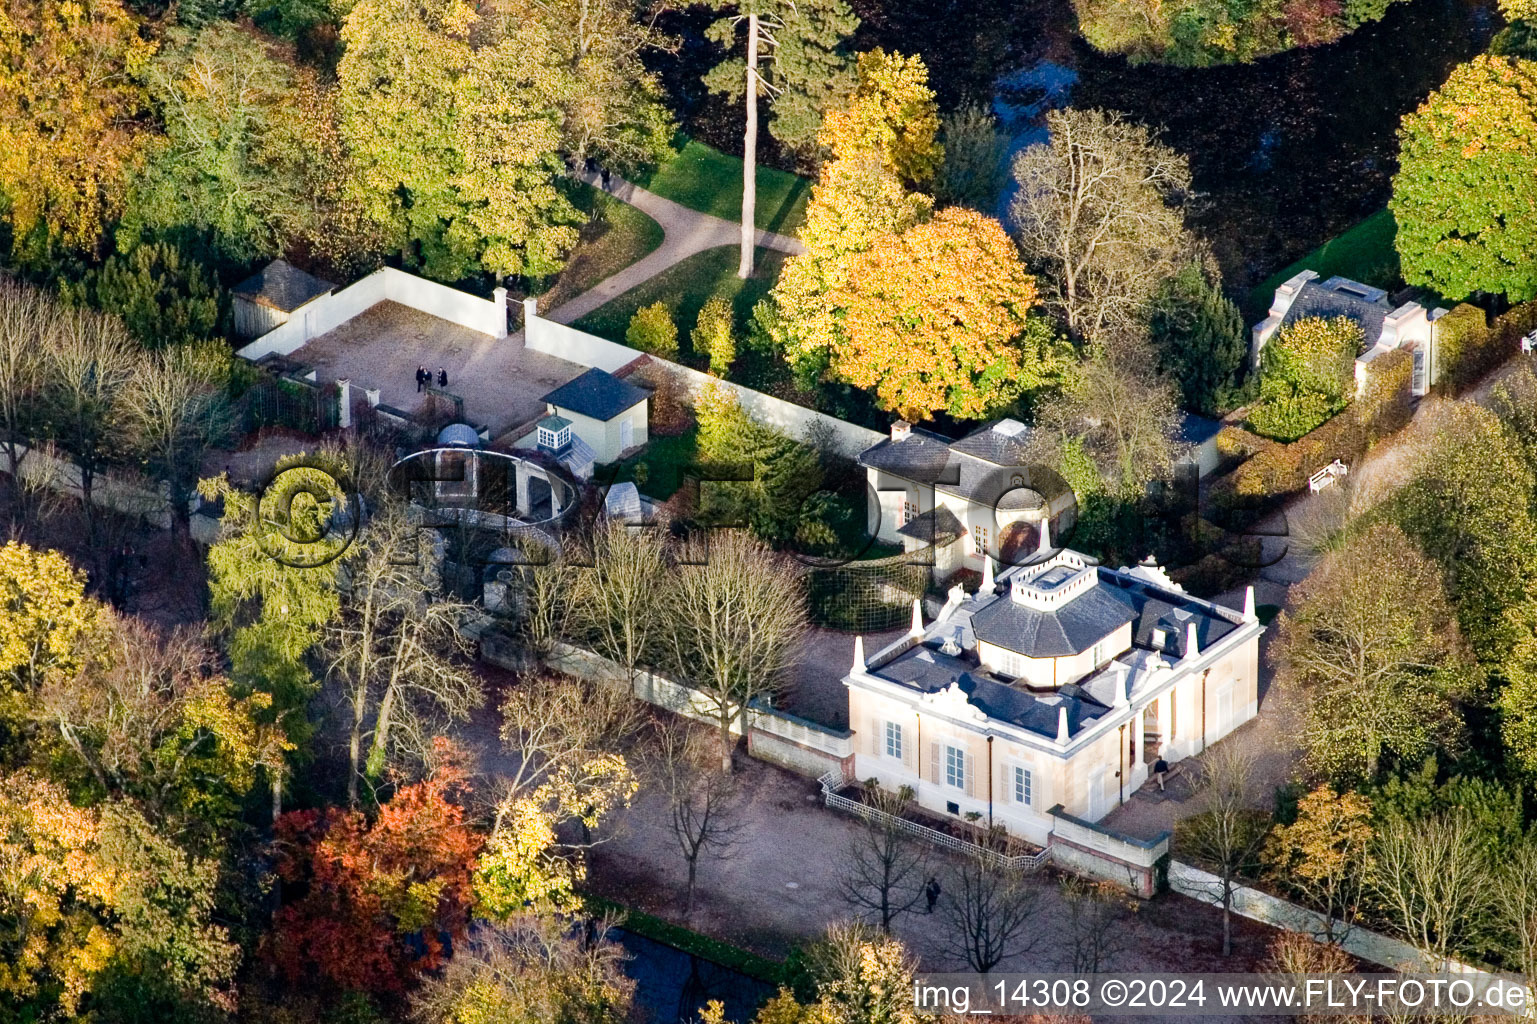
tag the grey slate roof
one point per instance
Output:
(1062, 632)
(987, 466)
(596, 394)
(936, 526)
(282, 286)
(921, 456)
(1001, 442)
(553, 423)
(1340, 296)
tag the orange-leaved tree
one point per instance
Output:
(891, 114)
(935, 318)
(382, 899)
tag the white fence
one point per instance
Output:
(572, 345)
(835, 780)
(1260, 906)
(329, 312)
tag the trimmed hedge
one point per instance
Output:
(1470, 346)
(689, 941)
(1277, 471)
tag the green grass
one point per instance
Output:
(683, 289)
(665, 459)
(617, 235)
(707, 180)
(1364, 253)
(689, 941)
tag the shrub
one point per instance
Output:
(1306, 376)
(1462, 337)
(163, 297)
(652, 330)
(714, 335)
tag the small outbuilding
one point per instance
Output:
(272, 296)
(609, 414)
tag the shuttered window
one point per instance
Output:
(894, 740)
(955, 767)
(1022, 785)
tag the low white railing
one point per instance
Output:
(834, 781)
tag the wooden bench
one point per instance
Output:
(1325, 477)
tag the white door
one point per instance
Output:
(626, 434)
(1096, 794)
(1225, 708)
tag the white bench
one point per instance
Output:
(1326, 476)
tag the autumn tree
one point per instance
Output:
(91, 888)
(147, 717)
(714, 335)
(702, 816)
(531, 970)
(884, 868)
(612, 107)
(395, 652)
(737, 615)
(380, 899)
(1099, 215)
(854, 202)
(1226, 835)
(68, 140)
(1465, 219)
(238, 160)
(936, 319)
(1325, 856)
(1307, 375)
(891, 115)
(47, 615)
(455, 144)
(793, 56)
(1374, 661)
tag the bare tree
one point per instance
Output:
(395, 650)
(89, 362)
(1297, 954)
(1099, 215)
(1226, 836)
(735, 622)
(988, 903)
(1096, 914)
(1434, 879)
(885, 868)
(623, 594)
(26, 318)
(549, 603)
(699, 799)
(177, 410)
(1516, 895)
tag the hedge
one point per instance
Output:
(678, 937)
(1469, 346)
(1276, 471)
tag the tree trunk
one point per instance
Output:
(688, 903)
(277, 793)
(1227, 921)
(750, 152)
(355, 752)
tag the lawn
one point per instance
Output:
(709, 181)
(683, 289)
(617, 235)
(1364, 253)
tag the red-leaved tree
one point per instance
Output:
(374, 903)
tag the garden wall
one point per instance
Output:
(1139, 866)
(128, 494)
(385, 285)
(572, 345)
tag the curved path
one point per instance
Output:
(685, 232)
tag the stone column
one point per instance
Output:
(499, 297)
(520, 473)
(344, 401)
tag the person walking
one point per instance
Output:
(442, 377)
(421, 378)
(605, 179)
(931, 893)
(1160, 772)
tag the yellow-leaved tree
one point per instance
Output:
(891, 114)
(46, 614)
(72, 91)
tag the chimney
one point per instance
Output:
(1062, 735)
(859, 654)
(917, 628)
(901, 430)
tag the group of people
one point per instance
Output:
(424, 378)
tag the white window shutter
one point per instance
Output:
(934, 762)
(877, 740)
(971, 775)
(909, 752)
(1008, 783)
